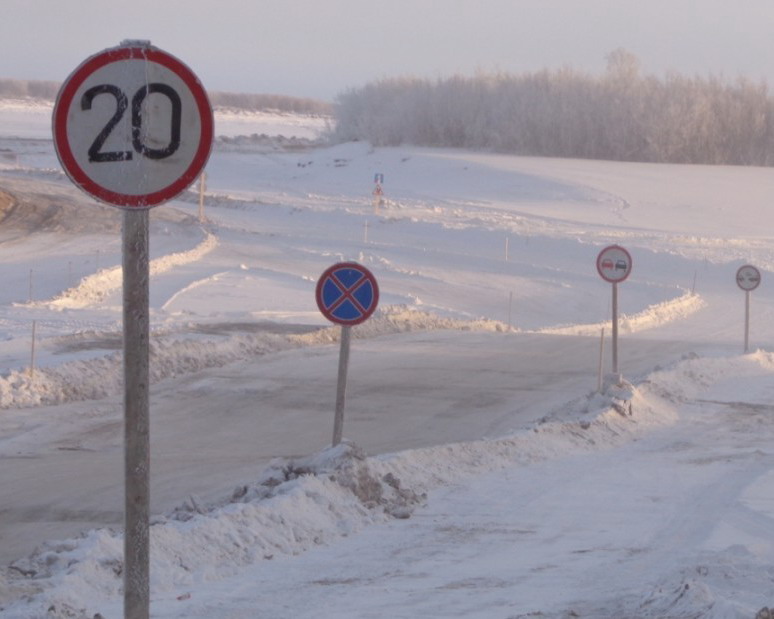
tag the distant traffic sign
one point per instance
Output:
(748, 277)
(614, 264)
(347, 293)
(132, 126)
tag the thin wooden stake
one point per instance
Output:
(510, 308)
(32, 350)
(202, 180)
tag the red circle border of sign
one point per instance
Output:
(321, 282)
(748, 266)
(599, 268)
(62, 108)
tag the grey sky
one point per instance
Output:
(318, 48)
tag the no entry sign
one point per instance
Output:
(347, 293)
(614, 264)
(132, 126)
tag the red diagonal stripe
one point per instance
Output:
(346, 293)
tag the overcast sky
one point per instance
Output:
(318, 48)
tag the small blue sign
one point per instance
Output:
(347, 293)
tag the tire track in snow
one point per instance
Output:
(193, 285)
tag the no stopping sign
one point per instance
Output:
(347, 293)
(132, 126)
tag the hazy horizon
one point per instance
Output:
(318, 50)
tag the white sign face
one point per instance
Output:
(133, 126)
(748, 277)
(614, 264)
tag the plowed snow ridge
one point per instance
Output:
(94, 288)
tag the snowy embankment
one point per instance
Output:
(94, 288)
(173, 354)
(297, 504)
(653, 316)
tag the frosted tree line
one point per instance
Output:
(33, 89)
(620, 115)
(47, 91)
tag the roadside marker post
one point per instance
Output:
(347, 294)
(378, 192)
(32, 350)
(614, 264)
(133, 128)
(202, 183)
(748, 278)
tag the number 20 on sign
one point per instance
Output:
(132, 126)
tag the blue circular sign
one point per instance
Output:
(347, 293)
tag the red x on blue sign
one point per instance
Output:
(347, 293)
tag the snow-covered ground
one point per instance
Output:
(483, 474)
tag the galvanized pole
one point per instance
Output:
(615, 328)
(746, 321)
(601, 359)
(136, 416)
(341, 388)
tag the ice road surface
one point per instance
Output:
(483, 474)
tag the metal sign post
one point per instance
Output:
(346, 294)
(341, 384)
(614, 264)
(748, 278)
(136, 415)
(746, 321)
(614, 328)
(133, 127)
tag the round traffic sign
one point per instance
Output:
(347, 293)
(132, 126)
(748, 277)
(614, 264)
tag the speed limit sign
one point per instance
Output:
(132, 126)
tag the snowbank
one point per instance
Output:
(94, 288)
(176, 353)
(297, 504)
(652, 316)
(300, 503)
